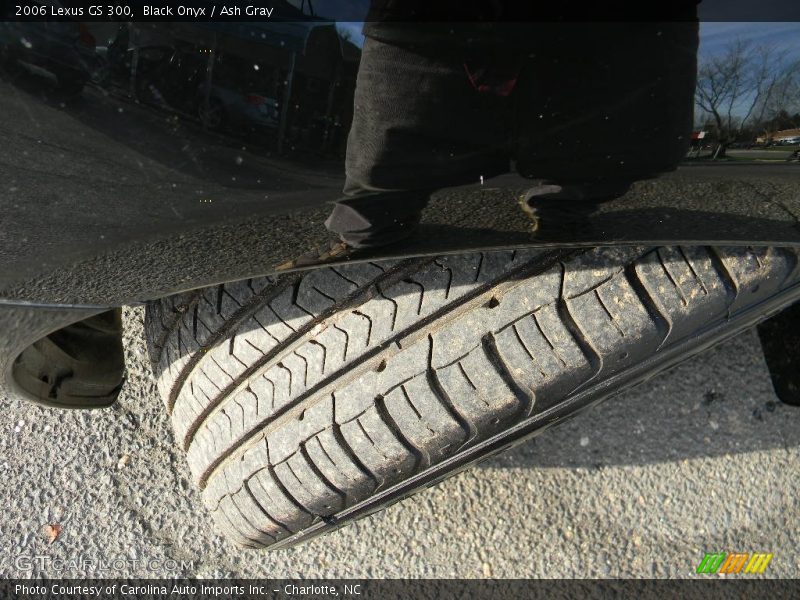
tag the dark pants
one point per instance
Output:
(591, 104)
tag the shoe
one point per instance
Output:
(319, 255)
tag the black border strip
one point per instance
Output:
(389, 589)
(416, 11)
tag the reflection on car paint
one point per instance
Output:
(326, 146)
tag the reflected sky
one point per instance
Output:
(716, 37)
(351, 32)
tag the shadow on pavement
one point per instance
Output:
(720, 403)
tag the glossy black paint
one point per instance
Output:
(129, 190)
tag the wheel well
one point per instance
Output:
(81, 365)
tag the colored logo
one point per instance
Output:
(740, 562)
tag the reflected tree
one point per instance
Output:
(745, 87)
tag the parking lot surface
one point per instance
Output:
(700, 459)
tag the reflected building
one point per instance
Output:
(288, 83)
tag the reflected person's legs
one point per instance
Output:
(613, 105)
(597, 107)
(612, 101)
(377, 219)
(418, 126)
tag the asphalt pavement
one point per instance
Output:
(700, 459)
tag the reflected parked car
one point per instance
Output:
(241, 97)
(65, 50)
(238, 109)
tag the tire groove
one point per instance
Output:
(369, 328)
(524, 346)
(469, 428)
(220, 293)
(480, 266)
(421, 458)
(177, 313)
(466, 375)
(394, 305)
(608, 313)
(546, 338)
(257, 482)
(316, 470)
(305, 367)
(421, 293)
(298, 480)
(242, 514)
(194, 322)
(248, 309)
(449, 277)
(525, 397)
(238, 489)
(363, 429)
(537, 265)
(343, 276)
(295, 302)
(346, 341)
(338, 436)
(324, 353)
(662, 323)
(282, 487)
(671, 278)
(593, 357)
(267, 357)
(728, 280)
(246, 488)
(221, 513)
(695, 274)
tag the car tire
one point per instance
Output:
(310, 399)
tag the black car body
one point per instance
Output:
(63, 49)
(118, 185)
